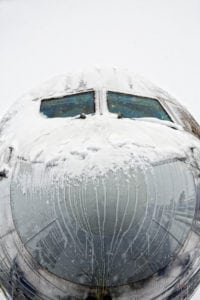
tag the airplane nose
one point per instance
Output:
(109, 230)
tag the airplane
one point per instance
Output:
(100, 191)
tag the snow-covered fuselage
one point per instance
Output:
(99, 205)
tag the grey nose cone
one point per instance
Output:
(114, 229)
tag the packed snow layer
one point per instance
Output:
(98, 143)
(97, 78)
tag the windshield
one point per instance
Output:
(69, 106)
(130, 106)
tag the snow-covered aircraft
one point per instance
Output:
(99, 191)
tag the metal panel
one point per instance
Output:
(104, 231)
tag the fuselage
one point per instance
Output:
(99, 191)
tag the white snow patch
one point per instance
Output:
(98, 143)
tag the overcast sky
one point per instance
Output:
(158, 39)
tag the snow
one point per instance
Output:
(98, 143)
(41, 38)
(108, 78)
(1, 295)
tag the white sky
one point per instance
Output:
(158, 39)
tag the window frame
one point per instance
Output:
(145, 97)
(96, 102)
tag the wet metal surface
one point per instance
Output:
(107, 231)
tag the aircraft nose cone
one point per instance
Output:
(110, 230)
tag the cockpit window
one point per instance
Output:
(69, 106)
(130, 106)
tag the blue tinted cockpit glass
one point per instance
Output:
(68, 106)
(130, 106)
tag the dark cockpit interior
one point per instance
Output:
(69, 106)
(130, 106)
(124, 105)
